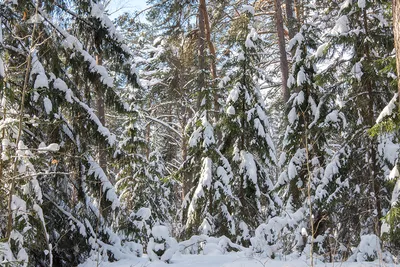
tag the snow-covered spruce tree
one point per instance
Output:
(387, 126)
(246, 133)
(49, 75)
(161, 246)
(360, 69)
(169, 78)
(147, 199)
(312, 120)
(208, 205)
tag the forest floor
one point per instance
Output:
(227, 260)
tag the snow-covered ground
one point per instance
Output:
(226, 260)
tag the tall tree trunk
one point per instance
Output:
(19, 135)
(2, 96)
(186, 182)
(291, 20)
(282, 49)
(101, 115)
(201, 54)
(213, 66)
(373, 166)
(396, 30)
(20, 120)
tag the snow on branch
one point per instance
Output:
(71, 42)
(107, 187)
(388, 110)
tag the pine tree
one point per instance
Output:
(312, 119)
(364, 161)
(147, 199)
(246, 132)
(208, 205)
(67, 193)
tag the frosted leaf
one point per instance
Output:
(143, 213)
(342, 25)
(205, 227)
(297, 39)
(36, 18)
(36, 189)
(204, 183)
(2, 72)
(290, 81)
(304, 232)
(48, 106)
(369, 248)
(18, 204)
(301, 77)
(388, 149)
(361, 4)
(249, 43)
(357, 72)
(292, 116)
(248, 8)
(396, 193)
(41, 81)
(41, 146)
(249, 168)
(62, 86)
(52, 147)
(321, 49)
(282, 159)
(299, 98)
(394, 173)
(230, 110)
(22, 255)
(388, 110)
(208, 133)
(106, 185)
(332, 117)
(385, 228)
(292, 171)
(206, 174)
(252, 36)
(345, 4)
(234, 93)
(160, 232)
(97, 10)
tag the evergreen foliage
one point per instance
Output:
(247, 143)
(96, 164)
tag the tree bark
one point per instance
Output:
(396, 30)
(282, 49)
(291, 20)
(373, 166)
(213, 66)
(201, 53)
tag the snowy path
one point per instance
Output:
(228, 260)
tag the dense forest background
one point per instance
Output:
(271, 125)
